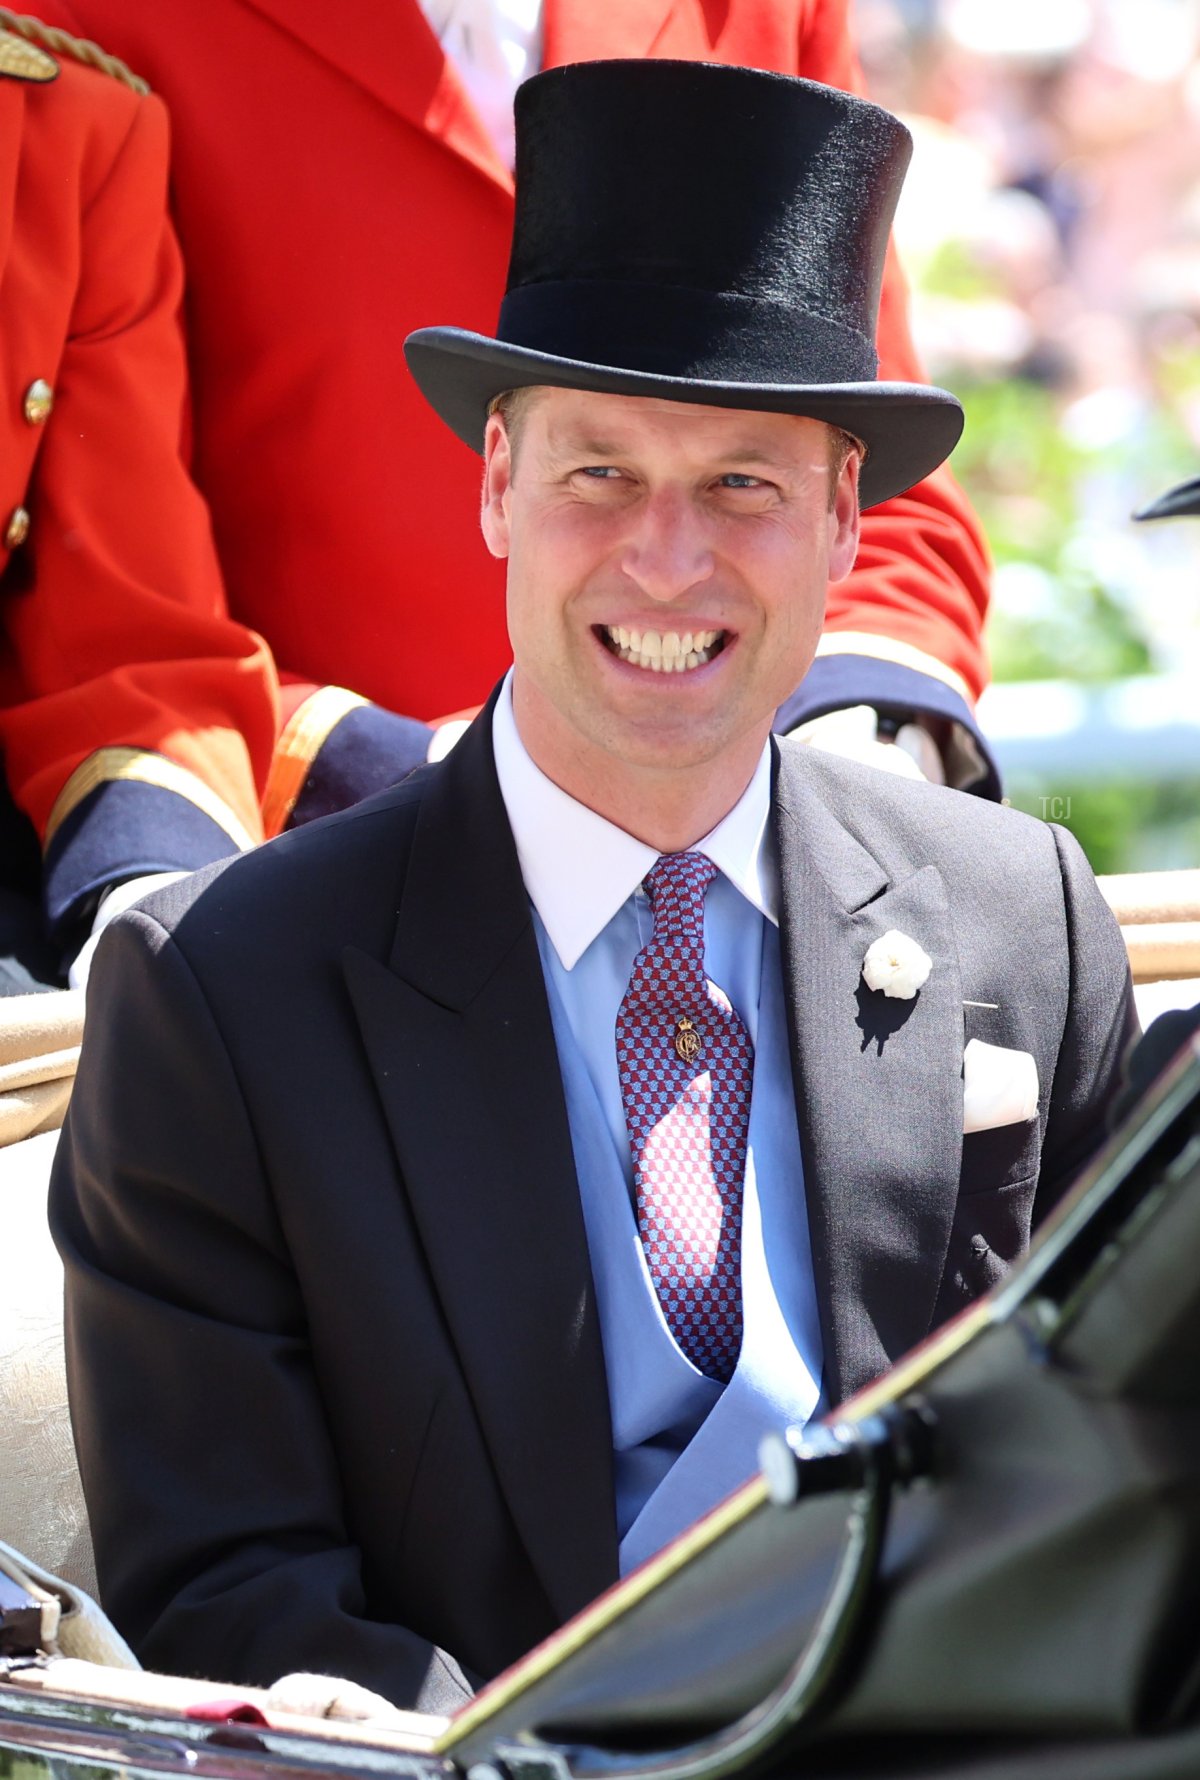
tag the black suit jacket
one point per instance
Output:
(335, 1362)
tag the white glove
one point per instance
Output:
(114, 902)
(854, 733)
(328, 1696)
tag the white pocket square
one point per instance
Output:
(1000, 1087)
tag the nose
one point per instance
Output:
(667, 551)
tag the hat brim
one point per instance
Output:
(1178, 501)
(907, 428)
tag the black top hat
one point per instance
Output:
(1185, 498)
(705, 234)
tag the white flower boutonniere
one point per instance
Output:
(897, 965)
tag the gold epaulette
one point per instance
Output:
(33, 64)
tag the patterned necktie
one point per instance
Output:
(686, 1065)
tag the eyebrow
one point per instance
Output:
(585, 446)
(769, 458)
(601, 450)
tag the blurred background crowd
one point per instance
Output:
(1051, 231)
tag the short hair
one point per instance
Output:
(513, 405)
(842, 446)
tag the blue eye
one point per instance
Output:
(600, 472)
(736, 480)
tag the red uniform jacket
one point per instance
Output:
(118, 663)
(333, 189)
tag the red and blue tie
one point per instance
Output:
(686, 1065)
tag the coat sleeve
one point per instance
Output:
(1101, 1024)
(905, 631)
(137, 719)
(333, 749)
(213, 1490)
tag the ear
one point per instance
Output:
(843, 521)
(497, 480)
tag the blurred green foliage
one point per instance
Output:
(1051, 498)
(1124, 824)
(1028, 479)
(1025, 477)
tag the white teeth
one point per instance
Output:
(665, 652)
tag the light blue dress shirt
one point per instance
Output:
(681, 1440)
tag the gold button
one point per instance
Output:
(17, 529)
(39, 400)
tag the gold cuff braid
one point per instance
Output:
(110, 765)
(301, 740)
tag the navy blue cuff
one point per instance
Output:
(123, 829)
(365, 752)
(834, 682)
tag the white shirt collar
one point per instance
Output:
(579, 868)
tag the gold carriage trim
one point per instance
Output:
(61, 43)
(109, 766)
(609, 1608)
(304, 735)
(908, 1375)
(863, 642)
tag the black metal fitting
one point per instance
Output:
(833, 1457)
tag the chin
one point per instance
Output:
(675, 747)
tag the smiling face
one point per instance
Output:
(667, 572)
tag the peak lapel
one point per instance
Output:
(878, 1085)
(459, 1037)
(391, 52)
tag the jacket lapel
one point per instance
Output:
(459, 1037)
(391, 52)
(878, 1084)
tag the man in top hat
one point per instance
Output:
(339, 176)
(455, 1190)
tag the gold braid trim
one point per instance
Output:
(79, 49)
(109, 765)
(301, 740)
